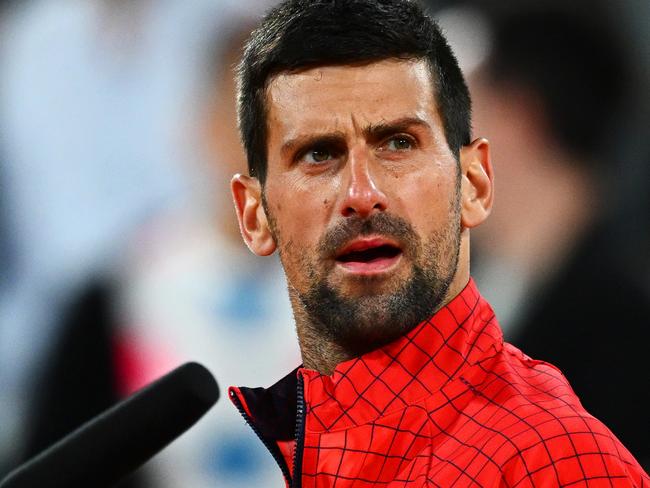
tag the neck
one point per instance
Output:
(318, 351)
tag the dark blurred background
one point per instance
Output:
(561, 91)
(120, 256)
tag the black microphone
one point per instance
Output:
(119, 440)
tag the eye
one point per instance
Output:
(317, 155)
(399, 143)
(320, 153)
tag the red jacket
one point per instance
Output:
(449, 404)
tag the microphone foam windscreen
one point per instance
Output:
(119, 440)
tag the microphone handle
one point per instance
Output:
(116, 442)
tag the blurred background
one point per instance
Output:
(120, 256)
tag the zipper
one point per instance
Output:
(271, 446)
(300, 434)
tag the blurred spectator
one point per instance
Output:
(79, 381)
(550, 99)
(194, 291)
(96, 103)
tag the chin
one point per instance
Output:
(372, 285)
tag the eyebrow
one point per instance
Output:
(373, 132)
(311, 140)
(384, 129)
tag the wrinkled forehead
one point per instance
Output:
(338, 97)
(351, 80)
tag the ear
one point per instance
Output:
(477, 183)
(253, 224)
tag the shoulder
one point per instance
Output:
(538, 429)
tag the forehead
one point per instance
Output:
(342, 97)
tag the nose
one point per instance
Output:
(362, 195)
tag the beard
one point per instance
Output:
(360, 324)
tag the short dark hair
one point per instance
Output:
(300, 34)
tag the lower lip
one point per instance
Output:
(371, 268)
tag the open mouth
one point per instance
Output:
(368, 256)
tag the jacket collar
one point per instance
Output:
(463, 333)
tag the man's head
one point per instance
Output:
(368, 187)
(305, 33)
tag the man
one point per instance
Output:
(355, 119)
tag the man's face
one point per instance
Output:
(362, 196)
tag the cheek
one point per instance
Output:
(425, 200)
(301, 217)
(302, 208)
